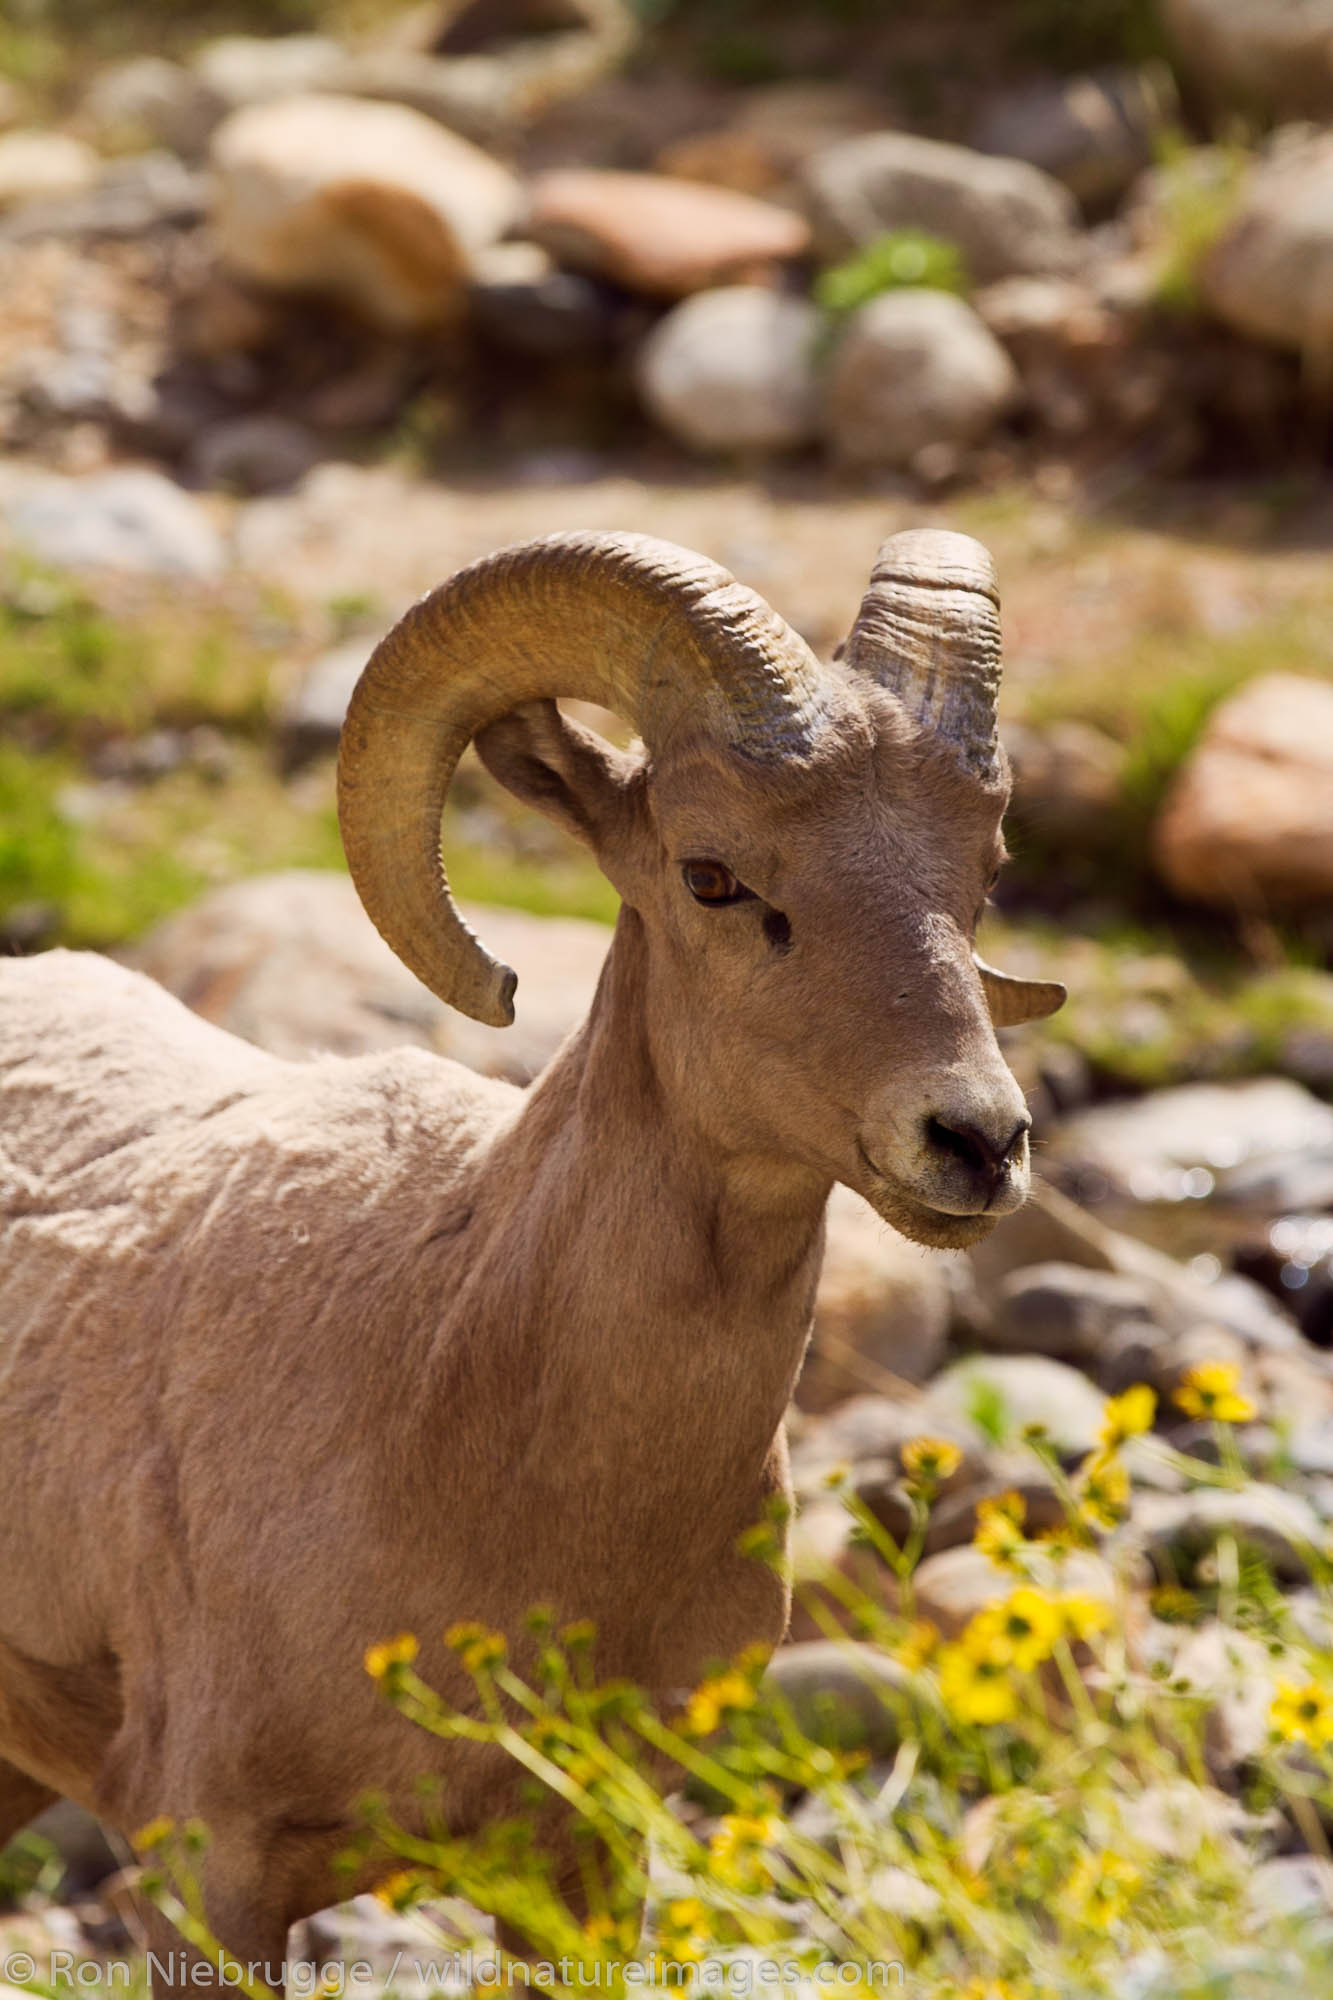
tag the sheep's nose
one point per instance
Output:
(986, 1154)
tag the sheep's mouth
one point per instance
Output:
(933, 1228)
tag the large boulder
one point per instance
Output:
(1268, 55)
(660, 236)
(733, 370)
(293, 963)
(913, 369)
(1248, 823)
(884, 1308)
(1003, 215)
(370, 204)
(1270, 273)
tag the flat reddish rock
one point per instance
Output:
(661, 236)
(1249, 821)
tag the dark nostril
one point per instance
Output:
(976, 1151)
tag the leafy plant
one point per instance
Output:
(901, 257)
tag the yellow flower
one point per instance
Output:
(1100, 1888)
(976, 1690)
(153, 1834)
(1302, 1714)
(1021, 1631)
(400, 1889)
(928, 1461)
(383, 1659)
(1083, 1617)
(1103, 1490)
(1212, 1390)
(712, 1698)
(917, 1645)
(736, 1850)
(1128, 1415)
(999, 1530)
(476, 1646)
(1174, 1605)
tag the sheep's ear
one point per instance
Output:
(567, 772)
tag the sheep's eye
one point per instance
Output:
(710, 882)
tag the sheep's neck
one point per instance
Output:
(655, 1319)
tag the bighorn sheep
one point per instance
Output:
(297, 1356)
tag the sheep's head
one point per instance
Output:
(802, 851)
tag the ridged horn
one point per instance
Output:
(1012, 1001)
(929, 631)
(661, 635)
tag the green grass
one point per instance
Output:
(900, 258)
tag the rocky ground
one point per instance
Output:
(293, 326)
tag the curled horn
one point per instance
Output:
(929, 631)
(656, 633)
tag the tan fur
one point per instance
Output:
(296, 1357)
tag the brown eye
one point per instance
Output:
(710, 882)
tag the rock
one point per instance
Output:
(88, 1853)
(259, 454)
(1099, 1321)
(1180, 1529)
(1248, 823)
(1258, 1144)
(1257, 54)
(912, 370)
(953, 1517)
(658, 236)
(129, 519)
(369, 204)
(1066, 774)
(1050, 1228)
(865, 1428)
(1237, 1674)
(733, 370)
(44, 166)
(237, 70)
(488, 68)
(520, 302)
(1093, 133)
(774, 128)
(954, 1585)
(292, 963)
(1003, 215)
(132, 197)
(148, 97)
(1269, 272)
(1290, 1885)
(995, 1398)
(883, 1312)
(312, 716)
(848, 1697)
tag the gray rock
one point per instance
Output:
(1093, 133)
(522, 303)
(1253, 1142)
(864, 1428)
(1181, 1529)
(1238, 1676)
(259, 454)
(1269, 273)
(851, 1697)
(954, 1585)
(132, 197)
(312, 716)
(913, 370)
(150, 97)
(733, 370)
(1003, 215)
(89, 1854)
(994, 1398)
(1084, 1317)
(1257, 54)
(131, 519)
